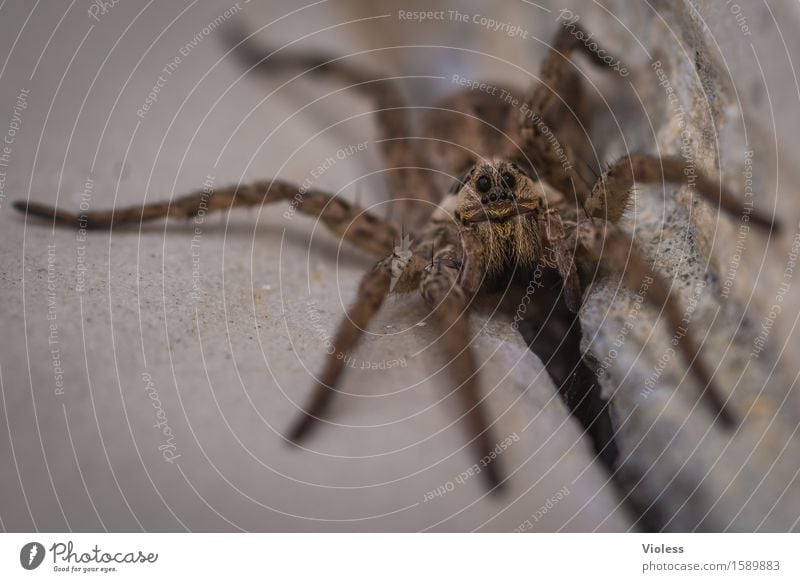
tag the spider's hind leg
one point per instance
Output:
(449, 303)
(408, 179)
(551, 120)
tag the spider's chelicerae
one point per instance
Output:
(519, 200)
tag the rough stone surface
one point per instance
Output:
(681, 469)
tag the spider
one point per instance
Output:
(517, 200)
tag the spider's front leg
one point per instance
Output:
(406, 269)
(353, 224)
(611, 193)
(606, 243)
(409, 179)
(447, 288)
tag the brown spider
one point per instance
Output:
(520, 201)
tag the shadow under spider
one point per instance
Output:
(554, 334)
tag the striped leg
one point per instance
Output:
(372, 291)
(409, 181)
(359, 227)
(449, 303)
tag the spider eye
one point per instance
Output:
(483, 184)
(509, 180)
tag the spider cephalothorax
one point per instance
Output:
(502, 205)
(495, 218)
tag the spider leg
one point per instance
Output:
(363, 229)
(611, 192)
(561, 255)
(372, 291)
(618, 252)
(552, 155)
(408, 179)
(448, 302)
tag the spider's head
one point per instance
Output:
(500, 203)
(496, 191)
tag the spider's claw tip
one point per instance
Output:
(301, 429)
(726, 419)
(20, 205)
(774, 225)
(499, 489)
(497, 486)
(769, 223)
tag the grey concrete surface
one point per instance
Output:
(214, 330)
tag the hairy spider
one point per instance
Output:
(520, 201)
